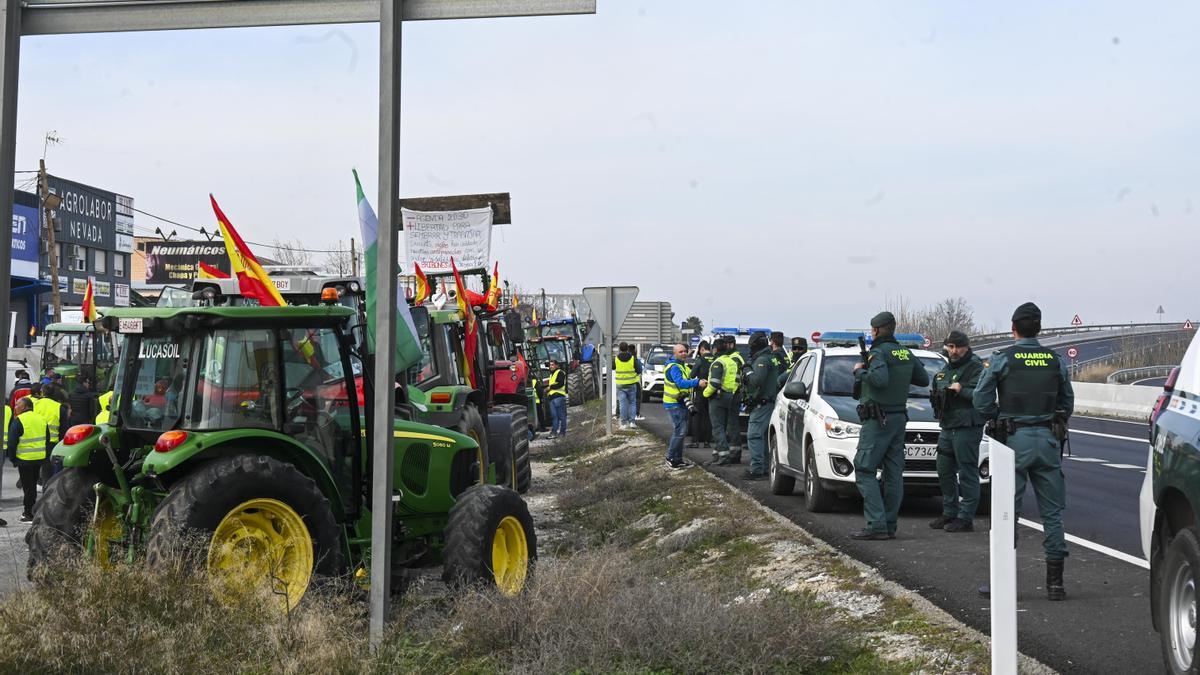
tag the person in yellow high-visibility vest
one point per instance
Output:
(556, 392)
(4, 444)
(28, 446)
(628, 372)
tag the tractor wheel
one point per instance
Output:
(574, 388)
(60, 518)
(524, 472)
(490, 540)
(471, 424)
(588, 374)
(253, 522)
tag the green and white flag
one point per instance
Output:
(408, 350)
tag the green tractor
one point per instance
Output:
(69, 348)
(498, 413)
(239, 443)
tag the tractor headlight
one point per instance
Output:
(840, 429)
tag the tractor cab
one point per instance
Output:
(71, 348)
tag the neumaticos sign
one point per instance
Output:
(177, 262)
(87, 215)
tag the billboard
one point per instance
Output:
(87, 215)
(25, 230)
(176, 262)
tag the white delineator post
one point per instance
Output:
(1003, 559)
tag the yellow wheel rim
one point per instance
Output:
(262, 544)
(105, 529)
(510, 556)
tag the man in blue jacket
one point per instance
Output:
(677, 386)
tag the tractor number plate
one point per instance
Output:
(129, 325)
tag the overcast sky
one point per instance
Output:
(790, 164)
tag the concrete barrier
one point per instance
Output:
(1128, 401)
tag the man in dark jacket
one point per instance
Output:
(761, 386)
(962, 431)
(701, 423)
(83, 402)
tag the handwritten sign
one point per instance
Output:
(432, 237)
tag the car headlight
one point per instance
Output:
(840, 429)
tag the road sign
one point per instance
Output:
(1072, 352)
(1187, 325)
(928, 343)
(1077, 321)
(609, 305)
(816, 336)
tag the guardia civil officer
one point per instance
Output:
(1025, 391)
(762, 383)
(962, 429)
(720, 391)
(883, 406)
(777, 349)
(739, 398)
(701, 425)
(799, 348)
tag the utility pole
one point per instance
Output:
(353, 259)
(52, 247)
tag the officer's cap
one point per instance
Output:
(883, 319)
(798, 342)
(1027, 311)
(957, 338)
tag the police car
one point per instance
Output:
(1170, 513)
(653, 368)
(814, 428)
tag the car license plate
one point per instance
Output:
(920, 452)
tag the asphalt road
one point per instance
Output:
(1151, 382)
(1104, 626)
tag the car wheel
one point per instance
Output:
(1177, 602)
(781, 483)
(816, 498)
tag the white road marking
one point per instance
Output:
(1099, 548)
(1125, 466)
(1086, 459)
(1132, 439)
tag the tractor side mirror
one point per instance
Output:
(795, 390)
(420, 317)
(512, 324)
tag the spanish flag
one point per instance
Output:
(492, 298)
(253, 281)
(424, 290)
(470, 339)
(89, 304)
(206, 271)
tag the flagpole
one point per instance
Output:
(391, 15)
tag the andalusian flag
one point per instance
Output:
(89, 304)
(424, 290)
(408, 351)
(253, 281)
(492, 298)
(206, 271)
(470, 338)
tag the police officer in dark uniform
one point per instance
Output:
(762, 384)
(1025, 391)
(962, 430)
(701, 424)
(883, 405)
(799, 348)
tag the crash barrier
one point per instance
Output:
(1129, 401)
(1134, 374)
(1115, 328)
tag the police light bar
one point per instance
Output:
(758, 330)
(911, 340)
(843, 338)
(725, 330)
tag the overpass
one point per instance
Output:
(1102, 344)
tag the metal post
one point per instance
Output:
(10, 53)
(612, 371)
(1004, 560)
(391, 15)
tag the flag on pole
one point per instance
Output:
(89, 304)
(206, 271)
(408, 350)
(424, 291)
(470, 340)
(253, 281)
(492, 298)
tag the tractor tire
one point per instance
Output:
(523, 472)
(260, 489)
(588, 374)
(490, 540)
(60, 518)
(502, 444)
(575, 389)
(471, 424)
